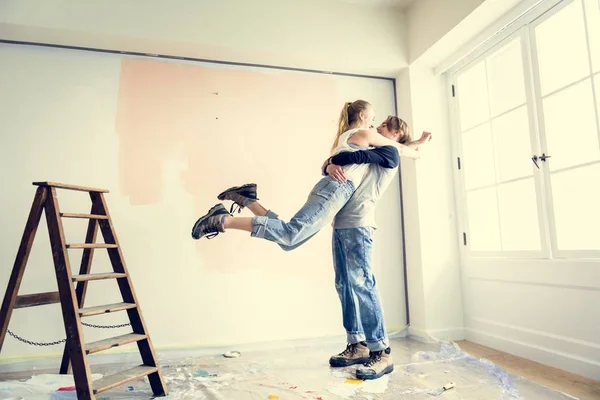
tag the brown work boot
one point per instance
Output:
(380, 363)
(357, 353)
(242, 196)
(211, 224)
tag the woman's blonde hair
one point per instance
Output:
(349, 115)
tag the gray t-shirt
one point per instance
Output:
(359, 211)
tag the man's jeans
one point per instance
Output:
(323, 203)
(356, 287)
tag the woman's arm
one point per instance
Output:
(416, 144)
(370, 137)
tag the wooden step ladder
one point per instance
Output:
(72, 298)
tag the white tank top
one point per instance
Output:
(354, 172)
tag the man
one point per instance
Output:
(354, 225)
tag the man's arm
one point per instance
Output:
(370, 138)
(386, 156)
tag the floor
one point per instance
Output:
(303, 373)
(557, 379)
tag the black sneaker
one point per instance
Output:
(211, 224)
(242, 196)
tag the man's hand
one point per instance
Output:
(337, 173)
(324, 165)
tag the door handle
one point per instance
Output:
(543, 158)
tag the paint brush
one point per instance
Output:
(437, 392)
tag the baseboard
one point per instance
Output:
(436, 335)
(565, 361)
(447, 334)
(398, 334)
(165, 353)
(420, 335)
(130, 354)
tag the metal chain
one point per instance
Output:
(105, 326)
(20, 339)
(23, 340)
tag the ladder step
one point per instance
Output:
(70, 187)
(97, 277)
(92, 246)
(38, 299)
(118, 379)
(108, 308)
(116, 341)
(85, 216)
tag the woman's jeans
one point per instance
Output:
(323, 203)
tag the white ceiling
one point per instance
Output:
(399, 4)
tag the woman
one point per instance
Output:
(324, 201)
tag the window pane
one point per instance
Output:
(519, 220)
(592, 10)
(473, 97)
(484, 229)
(478, 157)
(576, 198)
(505, 78)
(570, 124)
(562, 48)
(597, 84)
(513, 146)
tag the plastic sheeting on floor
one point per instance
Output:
(421, 369)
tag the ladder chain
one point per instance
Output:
(29, 342)
(20, 339)
(106, 326)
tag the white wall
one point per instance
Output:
(438, 30)
(442, 288)
(428, 21)
(412, 226)
(323, 35)
(544, 310)
(430, 219)
(58, 121)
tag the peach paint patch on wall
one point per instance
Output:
(222, 116)
(232, 126)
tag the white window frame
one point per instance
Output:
(556, 253)
(523, 26)
(457, 136)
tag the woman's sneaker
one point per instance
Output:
(242, 196)
(211, 224)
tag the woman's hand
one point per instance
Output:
(416, 144)
(425, 137)
(337, 173)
